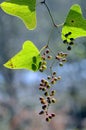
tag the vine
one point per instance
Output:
(29, 57)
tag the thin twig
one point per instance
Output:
(44, 2)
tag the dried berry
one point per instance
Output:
(54, 73)
(41, 70)
(49, 100)
(49, 57)
(43, 57)
(52, 81)
(47, 51)
(53, 114)
(43, 89)
(48, 86)
(58, 57)
(64, 60)
(46, 93)
(41, 112)
(41, 98)
(40, 88)
(44, 107)
(59, 77)
(50, 116)
(60, 64)
(43, 101)
(55, 78)
(47, 119)
(53, 100)
(43, 80)
(52, 93)
(49, 77)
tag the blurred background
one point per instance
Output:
(19, 94)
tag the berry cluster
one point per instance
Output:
(45, 56)
(46, 85)
(61, 57)
(48, 95)
(68, 41)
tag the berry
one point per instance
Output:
(43, 101)
(49, 57)
(53, 100)
(52, 81)
(52, 93)
(54, 73)
(48, 86)
(60, 64)
(43, 57)
(41, 70)
(43, 80)
(44, 107)
(50, 116)
(43, 89)
(41, 98)
(55, 79)
(58, 57)
(46, 93)
(59, 77)
(48, 77)
(41, 112)
(49, 100)
(44, 67)
(53, 114)
(47, 51)
(64, 60)
(47, 119)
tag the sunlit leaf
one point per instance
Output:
(75, 23)
(27, 58)
(24, 9)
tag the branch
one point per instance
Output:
(44, 2)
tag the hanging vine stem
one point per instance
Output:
(47, 85)
(47, 45)
(44, 2)
(55, 25)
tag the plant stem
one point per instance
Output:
(43, 2)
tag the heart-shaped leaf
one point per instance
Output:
(24, 9)
(75, 24)
(28, 58)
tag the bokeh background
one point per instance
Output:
(19, 94)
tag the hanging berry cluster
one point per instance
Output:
(45, 56)
(47, 85)
(61, 57)
(68, 41)
(48, 95)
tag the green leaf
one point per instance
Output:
(27, 58)
(24, 9)
(75, 23)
